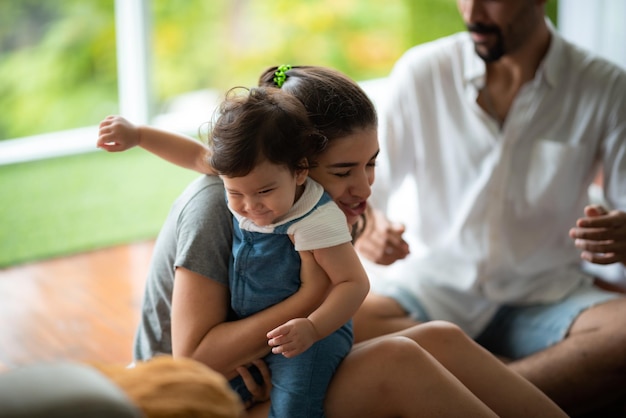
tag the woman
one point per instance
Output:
(429, 370)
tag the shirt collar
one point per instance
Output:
(550, 66)
(475, 69)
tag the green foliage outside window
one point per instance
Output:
(57, 65)
(58, 61)
(58, 71)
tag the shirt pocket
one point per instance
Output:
(556, 172)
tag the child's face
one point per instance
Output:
(346, 171)
(265, 194)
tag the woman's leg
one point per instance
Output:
(503, 390)
(395, 377)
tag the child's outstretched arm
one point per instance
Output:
(349, 286)
(118, 134)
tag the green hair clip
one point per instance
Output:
(280, 76)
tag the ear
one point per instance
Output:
(302, 173)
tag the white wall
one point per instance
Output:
(597, 25)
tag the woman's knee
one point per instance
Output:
(400, 348)
(443, 331)
(376, 378)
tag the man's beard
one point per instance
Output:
(493, 53)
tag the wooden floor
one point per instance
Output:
(82, 308)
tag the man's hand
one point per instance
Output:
(381, 241)
(117, 134)
(601, 235)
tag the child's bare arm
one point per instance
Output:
(118, 134)
(349, 286)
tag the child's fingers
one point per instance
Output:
(278, 331)
(278, 341)
(106, 121)
(111, 147)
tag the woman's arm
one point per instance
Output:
(118, 134)
(200, 329)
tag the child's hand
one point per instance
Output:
(117, 134)
(293, 337)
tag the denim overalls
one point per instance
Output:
(265, 269)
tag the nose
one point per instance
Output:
(471, 10)
(252, 204)
(361, 184)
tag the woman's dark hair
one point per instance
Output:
(337, 105)
(263, 123)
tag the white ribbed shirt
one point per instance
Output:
(322, 225)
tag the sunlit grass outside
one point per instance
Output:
(74, 204)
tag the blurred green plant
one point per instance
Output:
(58, 62)
(223, 43)
(57, 65)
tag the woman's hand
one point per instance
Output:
(601, 235)
(117, 134)
(381, 240)
(260, 390)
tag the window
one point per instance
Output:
(57, 65)
(63, 63)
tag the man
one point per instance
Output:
(489, 142)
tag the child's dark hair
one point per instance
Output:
(258, 124)
(337, 105)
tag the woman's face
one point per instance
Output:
(346, 171)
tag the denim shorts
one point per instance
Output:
(519, 331)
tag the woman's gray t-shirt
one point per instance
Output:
(197, 235)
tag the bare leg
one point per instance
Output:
(379, 315)
(395, 377)
(588, 368)
(499, 387)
